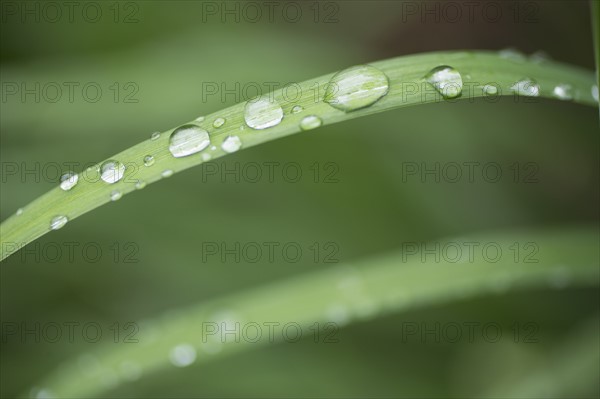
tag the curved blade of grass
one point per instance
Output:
(407, 87)
(596, 40)
(341, 294)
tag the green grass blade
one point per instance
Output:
(363, 291)
(407, 87)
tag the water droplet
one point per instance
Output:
(68, 180)
(182, 355)
(58, 221)
(297, 109)
(512, 54)
(446, 80)
(148, 160)
(219, 122)
(112, 171)
(115, 195)
(187, 140)
(526, 87)
(261, 113)
(231, 144)
(490, 90)
(213, 148)
(563, 91)
(200, 119)
(19, 211)
(595, 92)
(140, 184)
(539, 57)
(310, 122)
(356, 87)
(167, 173)
(206, 157)
(155, 136)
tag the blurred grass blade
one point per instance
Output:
(342, 294)
(479, 70)
(595, 5)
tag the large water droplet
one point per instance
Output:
(187, 140)
(231, 144)
(446, 80)
(112, 171)
(219, 122)
(68, 181)
(115, 195)
(356, 87)
(563, 91)
(526, 87)
(58, 221)
(182, 355)
(148, 160)
(261, 113)
(310, 122)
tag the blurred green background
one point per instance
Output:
(175, 47)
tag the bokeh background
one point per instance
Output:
(168, 50)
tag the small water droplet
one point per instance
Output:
(19, 211)
(148, 160)
(310, 122)
(213, 148)
(206, 157)
(140, 184)
(512, 54)
(356, 87)
(490, 90)
(187, 140)
(446, 80)
(595, 92)
(563, 91)
(167, 173)
(539, 57)
(297, 109)
(526, 87)
(200, 119)
(58, 221)
(68, 181)
(261, 113)
(115, 195)
(182, 355)
(219, 122)
(112, 171)
(155, 136)
(231, 144)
